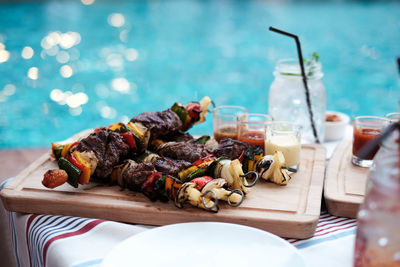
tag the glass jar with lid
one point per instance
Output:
(378, 234)
(287, 97)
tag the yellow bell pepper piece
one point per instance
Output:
(135, 128)
(85, 176)
(65, 149)
(183, 174)
(114, 127)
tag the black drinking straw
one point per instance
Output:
(398, 63)
(310, 112)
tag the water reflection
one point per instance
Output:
(4, 54)
(27, 52)
(116, 20)
(108, 112)
(66, 71)
(33, 73)
(62, 57)
(131, 54)
(121, 85)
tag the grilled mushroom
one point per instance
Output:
(217, 185)
(188, 192)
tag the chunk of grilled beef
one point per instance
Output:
(171, 166)
(230, 148)
(109, 148)
(182, 150)
(160, 123)
(177, 137)
(134, 177)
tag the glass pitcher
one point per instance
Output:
(378, 232)
(287, 97)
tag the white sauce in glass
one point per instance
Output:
(289, 145)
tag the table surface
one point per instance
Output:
(48, 240)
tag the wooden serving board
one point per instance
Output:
(345, 183)
(288, 211)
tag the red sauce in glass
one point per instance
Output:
(254, 138)
(363, 136)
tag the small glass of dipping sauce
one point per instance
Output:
(393, 117)
(285, 137)
(225, 119)
(365, 129)
(252, 128)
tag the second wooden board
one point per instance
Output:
(345, 183)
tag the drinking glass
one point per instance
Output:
(378, 236)
(251, 128)
(393, 117)
(225, 119)
(285, 137)
(365, 129)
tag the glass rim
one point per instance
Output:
(388, 116)
(245, 120)
(367, 118)
(282, 64)
(231, 107)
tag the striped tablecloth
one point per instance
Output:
(49, 240)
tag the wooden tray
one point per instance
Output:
(288, 211)
(344, 182)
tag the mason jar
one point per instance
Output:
(378, 234)
(287, 97)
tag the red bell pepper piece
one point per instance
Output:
(194, 110)
(241, 156)
(148, 185)
(208, 158)
(81, 167)
(129, 139)
(201, 181)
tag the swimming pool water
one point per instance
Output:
(108, 61)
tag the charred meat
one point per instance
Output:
(230, 148)
(160, 123)
(109, 148)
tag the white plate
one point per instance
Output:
(204, 244)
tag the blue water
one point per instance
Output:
(120, 58)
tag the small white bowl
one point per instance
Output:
(335, 130)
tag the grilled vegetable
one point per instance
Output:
(172, 186)
(250, 158)
(202, 140)
(57, 149)
(196, 173)
(194, 110)
(180, 111)
(205, 161)
(85, 175)
(73, 172)
(159, 188)
(148, 186)
(204, 104)
(183, 174)
(202, 181)
(217, 186)
(270, 168)
(188, 192)
(129, 139)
